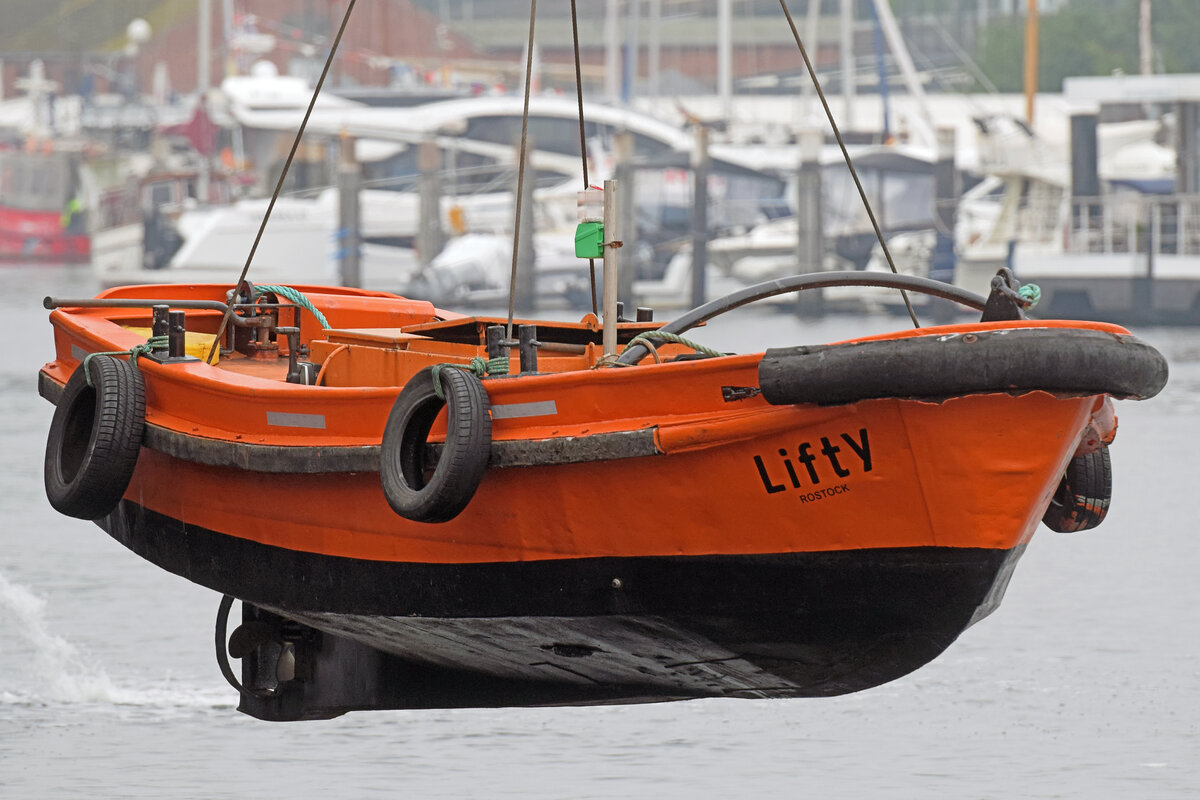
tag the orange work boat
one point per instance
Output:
(411, 522)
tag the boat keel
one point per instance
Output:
(331, 675)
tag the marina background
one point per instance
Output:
(1084, 684)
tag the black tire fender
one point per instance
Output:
(1081, 501)
(439, 492)
(94, 439)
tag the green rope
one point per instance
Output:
(674, 338)
(1032, 293)
(134, 353)
(479, 366)
(296, 297)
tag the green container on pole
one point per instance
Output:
(589, 240)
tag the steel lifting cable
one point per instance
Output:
(583, 138)
(812, 73)
(279, 185)
(512, 280)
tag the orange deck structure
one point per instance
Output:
(564, 529)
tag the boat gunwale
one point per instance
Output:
(516, 443)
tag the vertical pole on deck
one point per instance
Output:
(349, 219)
(700, 170)
(611, 266)
(429, 224)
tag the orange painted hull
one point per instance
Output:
(939, 476)
(928, 474)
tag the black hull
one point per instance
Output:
(369, 634)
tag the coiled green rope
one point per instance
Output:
(296, 297)
(673, 338)
(478, 365)
(1032, 293)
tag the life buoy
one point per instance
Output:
(1081, 501)
(94, 438)
(436, 492)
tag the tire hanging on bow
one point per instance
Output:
(95, 437)
(1081, 501)
(415, 488)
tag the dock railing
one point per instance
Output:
(1129, 223)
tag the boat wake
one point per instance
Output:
(55, 672)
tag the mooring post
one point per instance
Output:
(810, 241)
(349, 233)
(945, 206)
(176, 334)
(203, 79)
(1085, 167)
(160, 328)
(429, 229)
(611, 257)
(527, 348)
(1187, 147)
(624, 172)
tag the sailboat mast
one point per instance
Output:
(203, 47)
(1145, 40)
(812, 37)
(203, 82)
(849, 77)
(1031, 58)
(725, 57)
(922, 123)
(654, 55)
(612, 52)
(633, 49)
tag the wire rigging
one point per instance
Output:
(512, 282)
(812, 73)
(582, 138)
(237, 290)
